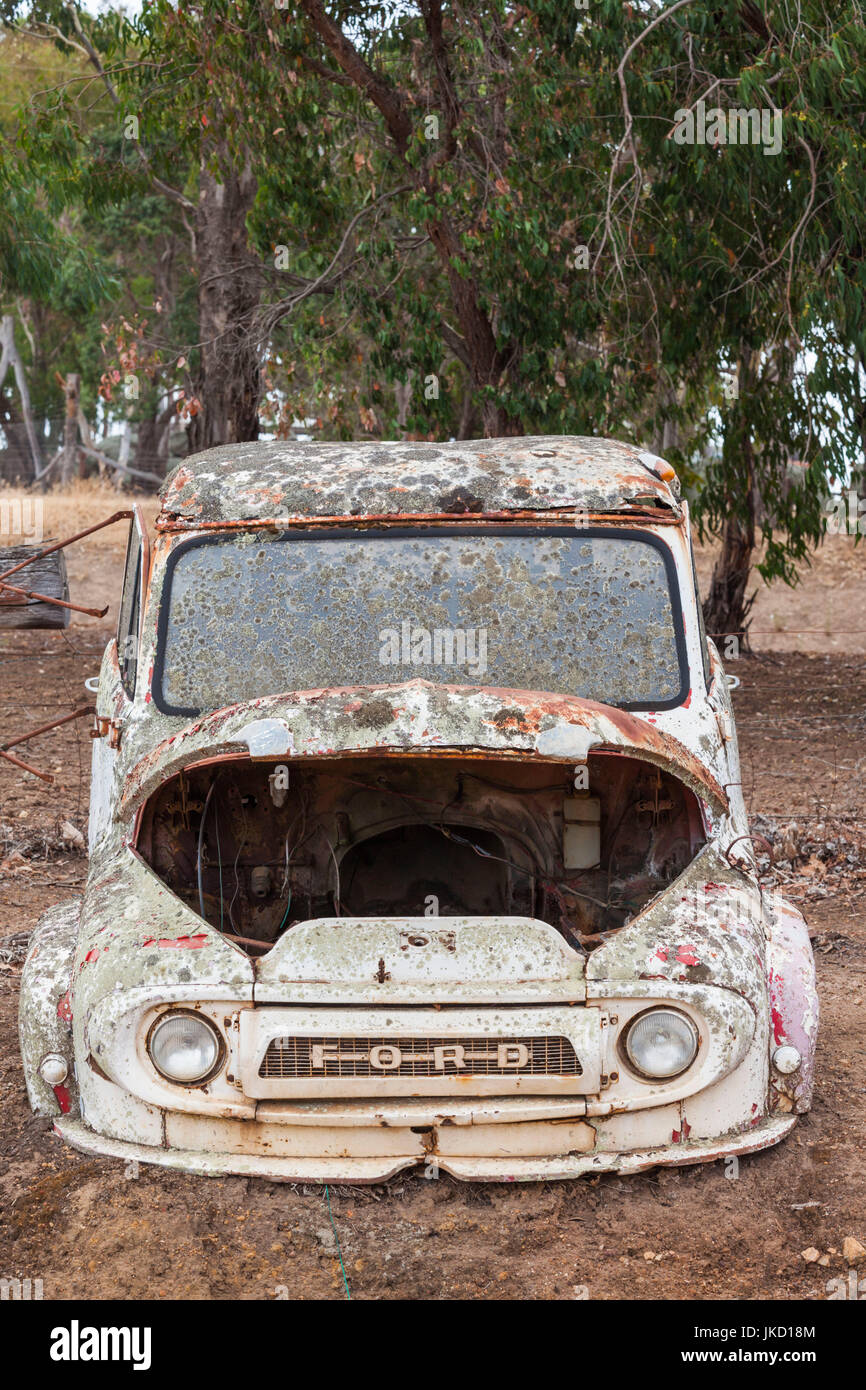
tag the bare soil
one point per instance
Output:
(90, 1231)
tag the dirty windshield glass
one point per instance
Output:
(577, 613)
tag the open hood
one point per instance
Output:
(421, 719)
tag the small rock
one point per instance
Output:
(71, 835)
(327, 1243)
(853, 1251)
(811, 1256)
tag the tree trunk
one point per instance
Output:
(467, 413)
(147, 446)
(229, 288)
(475, 342)
(70, 428)
(9, 358)
(16, 463)
(486, 363)
(726, 607)
(46, 576)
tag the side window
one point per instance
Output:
(705, 653)
(130, 613)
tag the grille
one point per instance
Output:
(343, 1056)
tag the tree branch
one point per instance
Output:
(380, 91)
(627, 141)
(321, 283)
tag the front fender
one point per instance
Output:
(44, 1014)
(706, 928)
(793, 1002)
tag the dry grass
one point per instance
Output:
(64, 511)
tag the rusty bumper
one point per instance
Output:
(354, 1165)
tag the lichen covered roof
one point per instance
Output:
(289, 481)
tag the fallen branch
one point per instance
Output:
(119, 467)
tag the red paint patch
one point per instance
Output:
(687, 1129)
(675, 1136)
(90, 957)
(687, 701)
(686, 955)
(779, 1033)
(182, 943)
(661, 953)
(62, 1099)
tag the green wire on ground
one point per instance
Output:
(337, 1239)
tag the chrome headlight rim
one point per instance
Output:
(221, 1051)
(632, 1063)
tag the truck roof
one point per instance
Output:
(290, 481)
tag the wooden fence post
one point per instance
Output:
(72, 388)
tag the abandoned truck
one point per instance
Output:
(417, 834)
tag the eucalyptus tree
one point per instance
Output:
(731, 235)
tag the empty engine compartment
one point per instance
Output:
(256, 847)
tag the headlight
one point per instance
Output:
(184, 1047)
(661, 1043)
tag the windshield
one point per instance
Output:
(572, 612)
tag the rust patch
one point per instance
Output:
(514, 718)
(460, 500)
(375, 714)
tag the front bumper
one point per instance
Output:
(357, 1166)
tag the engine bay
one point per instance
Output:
(255, 847)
